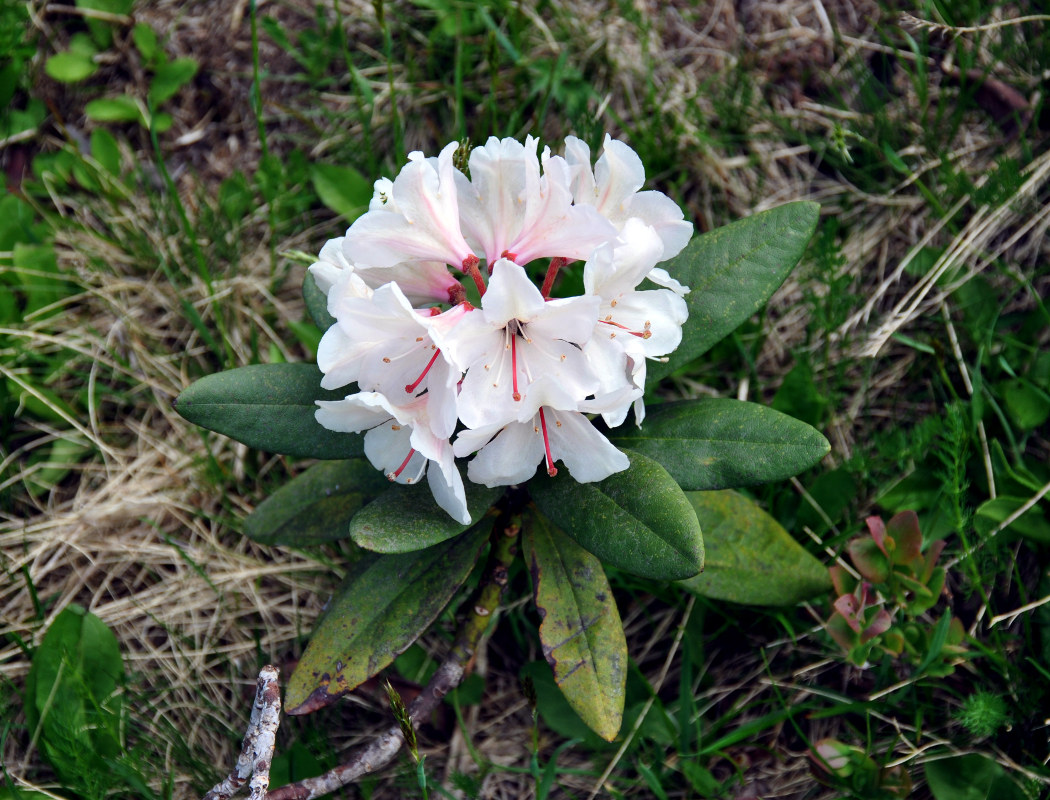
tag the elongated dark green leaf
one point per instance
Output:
(385, 603)
(271, 407)
(317, 505)
(750, 558)
(406, 518)
(638, 520)
(717, 444)
(581, 632)
(732, 271)
(316, 303)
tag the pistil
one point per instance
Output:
(412, 386)
(470, 266)
(551, 469)
(552, 272)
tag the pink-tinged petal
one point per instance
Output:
(617, 175)
(421, 281)
(666, 218)
(492, 207)
(578, 444)
(425, 225)
(552, 225)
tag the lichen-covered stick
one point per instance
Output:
(448, 676)
(257, 749)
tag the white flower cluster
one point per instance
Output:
(519, 373)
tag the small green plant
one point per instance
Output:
(74, 704)
(80, 62)
(892, 570)
(849, 767)
(983, 713)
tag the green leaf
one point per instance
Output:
(406, 518)
(1032, 524)
(145, 39)
(970, 777)
(344, 190)
(269, 407)
(169, 78)
(637, 520)
(72, 697)
(581, 632)
(70, 67)
(102, 30)
(750, 558)
(317, 505)
(720, 443)
(731, 272)
(799, 397)
(115, 109)
(1028, 405)
(385, 603)
(105, 151)
(316, 302)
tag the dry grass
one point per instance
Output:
(139, 535)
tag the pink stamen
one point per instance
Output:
(551, 469)
(397, 472)
(514, 365)
(552, 272)
(470, 266)
(412, 386)
(644, 334)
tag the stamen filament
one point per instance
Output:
(412, 386)
(397, 472)
(644, 334)
(551, 469)
(514, 366)
(552, 272)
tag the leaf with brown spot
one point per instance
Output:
(581, 632)
(385, 603)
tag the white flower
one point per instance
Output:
(550, 429)
(515, 337)
(420, 224)
(520, 371)
(509, 210)
(400, 442)
(612, 188)
(632, 325)
(384, 345)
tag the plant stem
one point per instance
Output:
(449, 675)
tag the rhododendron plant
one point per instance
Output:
(495, 322)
